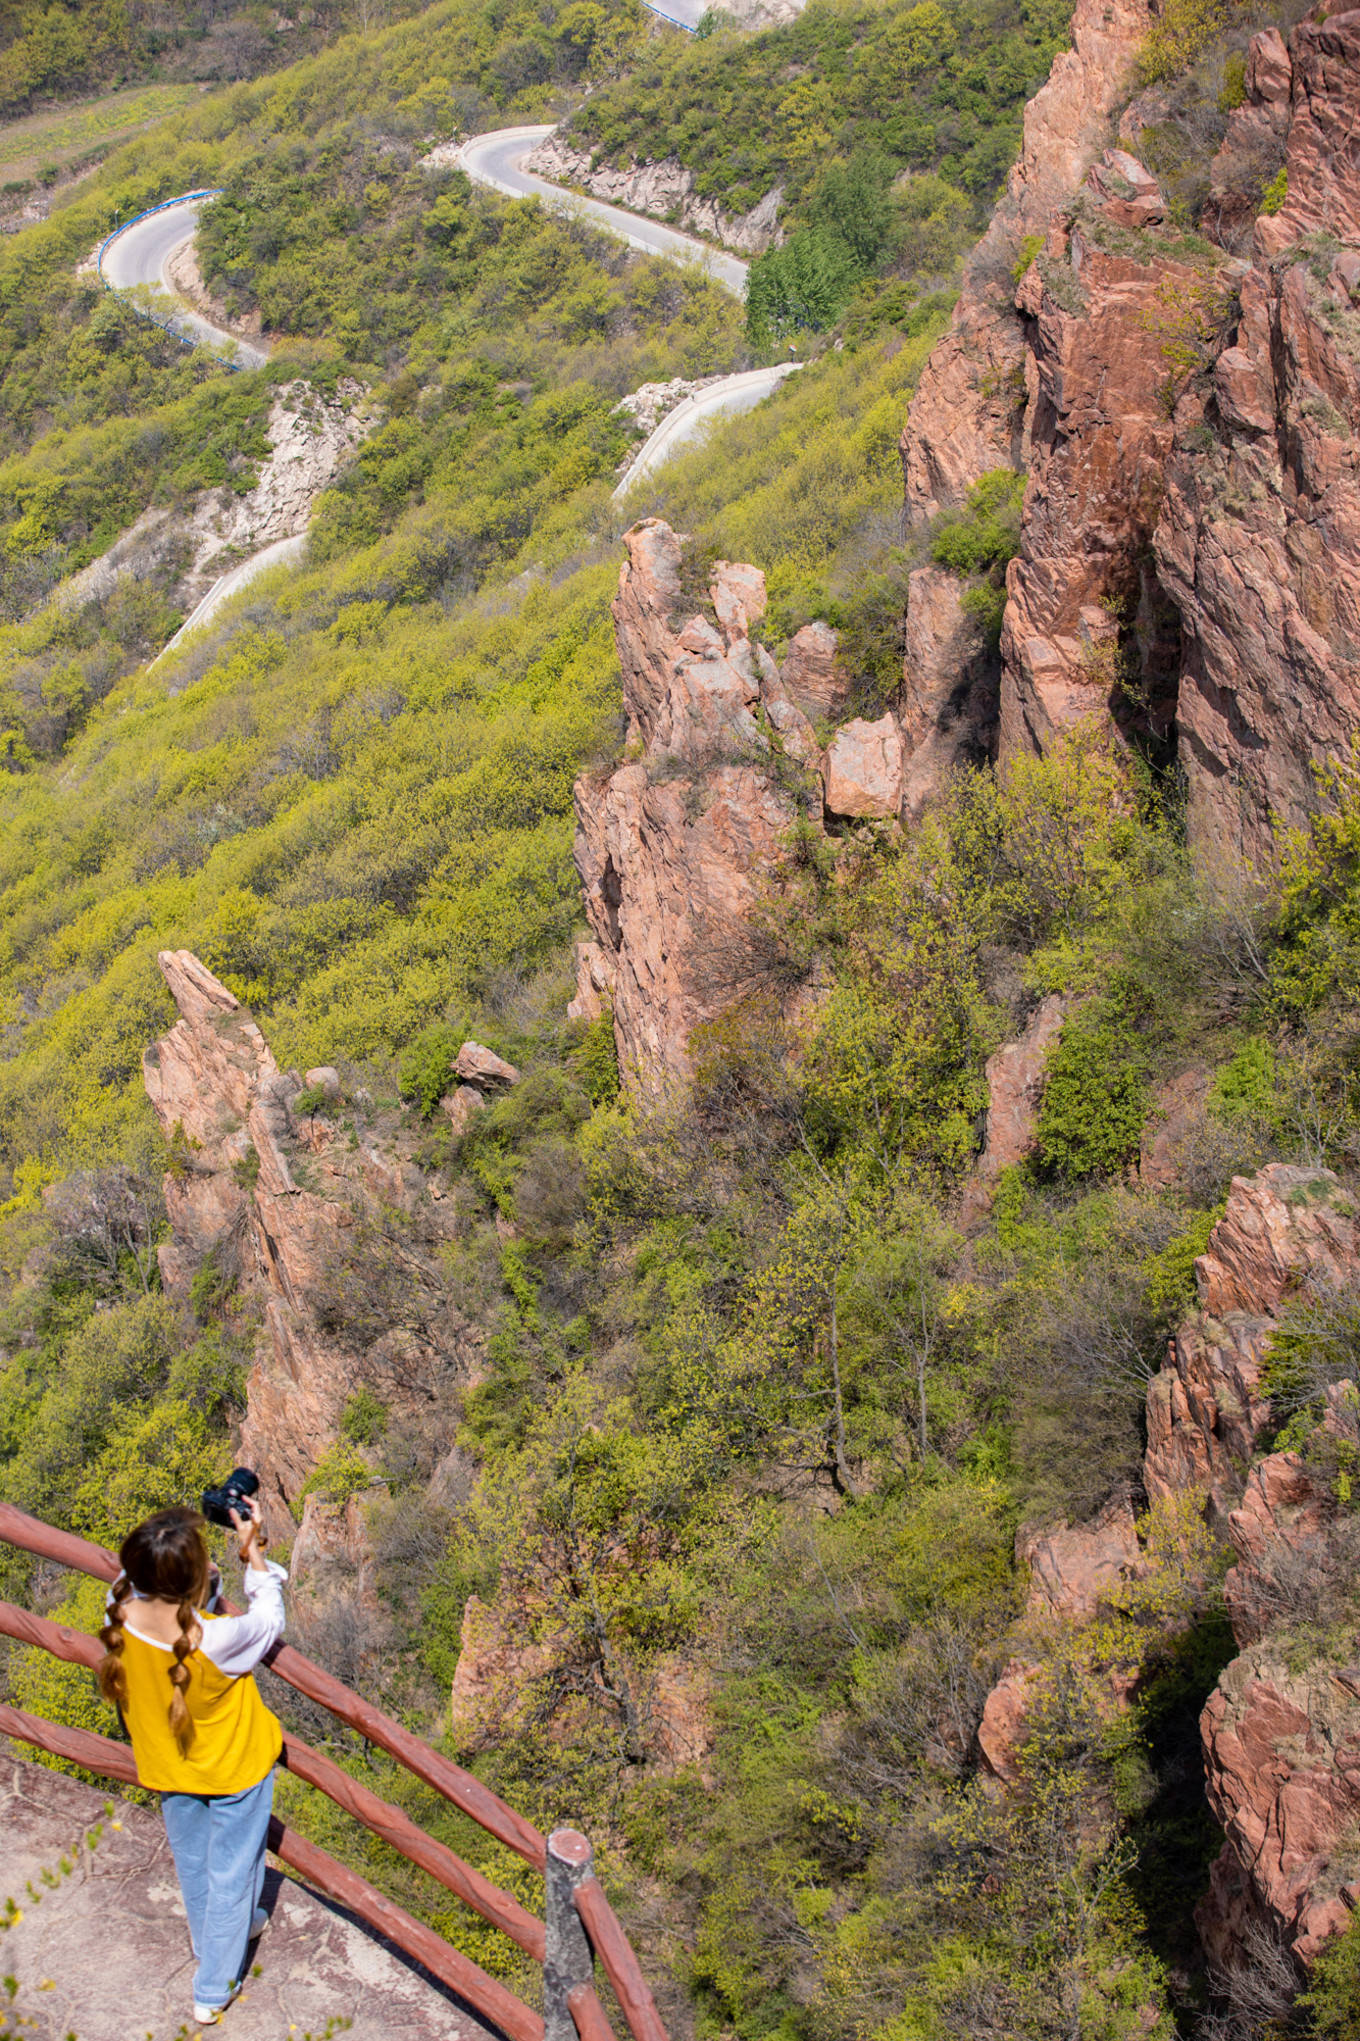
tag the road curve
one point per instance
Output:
(679, 13)
(726, 399)
(495, 160)
(231, 583)
(140, 253)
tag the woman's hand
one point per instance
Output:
(250, 1534)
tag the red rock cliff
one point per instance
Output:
(279, 1198)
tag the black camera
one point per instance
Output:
(218, 1503)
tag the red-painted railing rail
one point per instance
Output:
(77, 1647)
(486, 1808)
(580, 1923)
(112, 1760)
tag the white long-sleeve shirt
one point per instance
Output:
(236, 1644)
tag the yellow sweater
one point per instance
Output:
(236, 1738)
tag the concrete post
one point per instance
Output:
(569, 1960)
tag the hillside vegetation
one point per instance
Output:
(744, 1377)
(887, 128)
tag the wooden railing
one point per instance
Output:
(579, 1924)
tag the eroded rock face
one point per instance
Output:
(1283, 1225)
(1096, 305)
(1206, 1410)
(1073, 1569)
(1002, 1729)
(1259, 540)
(1283, 1228)
(1283, 1508)
(813, 676)
(950, 695)
(863, 772)
(1016, 1075)
(968, 416)
(236, 1191)
(1282, 1761)
(672, 847)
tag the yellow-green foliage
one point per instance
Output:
(57, 1691)
(791, 106)
(1182, 30)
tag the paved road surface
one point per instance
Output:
(680, 13)
(494, 160)
(232, 582)
(139, 255)
(721, 400)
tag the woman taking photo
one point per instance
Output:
(203, 1739)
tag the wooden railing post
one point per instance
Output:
(569, 1961)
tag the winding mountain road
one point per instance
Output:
(496, 161)
(232, 582)
(140, 254)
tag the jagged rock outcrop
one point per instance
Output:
(674, 844)
(666, 191)
(280, 1202)
(862, 777)
(1252, 150)
(813, 675)
(950, 687)
(1099, 303)
(1016, 1074)
(1073, 1569)
(1282, 1759)
(1281, 1731)
(1189, 568)
(968, 416)
(1258, 544)
(1282, 1228)
(1284, 1508)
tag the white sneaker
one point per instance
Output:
(209, 2016)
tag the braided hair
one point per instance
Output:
(112, 1677)
(166, 1557)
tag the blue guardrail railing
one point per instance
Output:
(142, 312)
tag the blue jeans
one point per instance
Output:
(217, 1841)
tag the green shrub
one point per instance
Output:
(1234, 92)
(1097, 1096)
(986, 532)
(595, 1061)
(1333, 1995)
(426, 1070)
(1182, 31)
(364, 1417)
(341, 1472)
(802, 287)
(213, 1285)
(1248, 1084)
(1276, 192)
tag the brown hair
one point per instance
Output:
(167, 1557)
